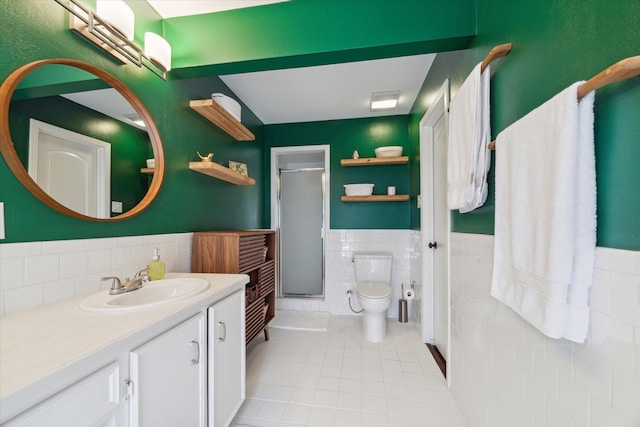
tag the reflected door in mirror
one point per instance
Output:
(72, 168)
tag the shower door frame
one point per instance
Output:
(276, 154)
(322, 234)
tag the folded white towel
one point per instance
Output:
(468, 159)
(545, 215)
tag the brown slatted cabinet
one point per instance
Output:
(242, 252)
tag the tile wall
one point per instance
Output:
(505, 373)
(339, 273)
(36, 273)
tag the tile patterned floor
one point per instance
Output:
(336, 378)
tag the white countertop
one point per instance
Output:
(58, 344)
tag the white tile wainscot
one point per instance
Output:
(340, 276)
(36, 273)
(506, 373)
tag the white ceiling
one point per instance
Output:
(330, 92)
(327, 92)
(108, 102)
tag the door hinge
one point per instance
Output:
(129, 386)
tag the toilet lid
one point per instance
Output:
(374, 289)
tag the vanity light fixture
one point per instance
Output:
(158, 50)
(381, 101)
(111, 29)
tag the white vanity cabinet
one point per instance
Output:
(168, 378)
(226, 359)
(92, 401)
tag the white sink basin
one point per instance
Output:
(152, 294)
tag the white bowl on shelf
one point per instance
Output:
(358, 189)
(389, 151)
(151, 163)
(229, 104)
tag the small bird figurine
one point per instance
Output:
(207, 158)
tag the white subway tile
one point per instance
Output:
(11, 273)
(98, 260)
(12, 250)
(73, 264)
(59, 290)
(104, 243)
(41, 268)
(22, 298)
(625, 297)
(63, 246)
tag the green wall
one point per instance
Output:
(556, 43)
(188, 201)
(345, 136)
(314, 32)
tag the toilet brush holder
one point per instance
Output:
(403, 311)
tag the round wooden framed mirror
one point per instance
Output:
(17, 123)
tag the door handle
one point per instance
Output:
(433, 245)
(195, 347)
(223, 337)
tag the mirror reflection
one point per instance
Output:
(80, 141)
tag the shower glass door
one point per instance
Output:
(301, 204)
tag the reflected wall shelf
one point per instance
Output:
(371, 161)
(220, 172)
(217, 115)
(147, 170)
(376, 198)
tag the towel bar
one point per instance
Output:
(621, 70)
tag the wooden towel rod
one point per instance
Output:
(621, 70)
(495, 53)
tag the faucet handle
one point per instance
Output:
(144, 270)
(115, 282)
(144, 277)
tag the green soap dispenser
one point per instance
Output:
(156, 267)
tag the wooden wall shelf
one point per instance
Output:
(147, 170)
(220, 172)
(371, 161)
(217, 115)
(376, 198)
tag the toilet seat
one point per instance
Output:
(374, 290)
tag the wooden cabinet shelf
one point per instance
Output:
(217, 115)
(220, 172)
(372, 161)
(376, 198)
(251, 252)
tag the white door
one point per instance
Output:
(71, 168)
(168, 377)
(226, 359)
(434, 223)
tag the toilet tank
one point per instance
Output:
(372, 266)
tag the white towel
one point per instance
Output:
(468, 159)
(545, 216)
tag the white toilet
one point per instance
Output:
(373, 278)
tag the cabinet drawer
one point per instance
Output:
(91, 401)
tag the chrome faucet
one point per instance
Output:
(117, 287)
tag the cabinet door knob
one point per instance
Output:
(195, 347)
(222, 337)
(433, 245)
